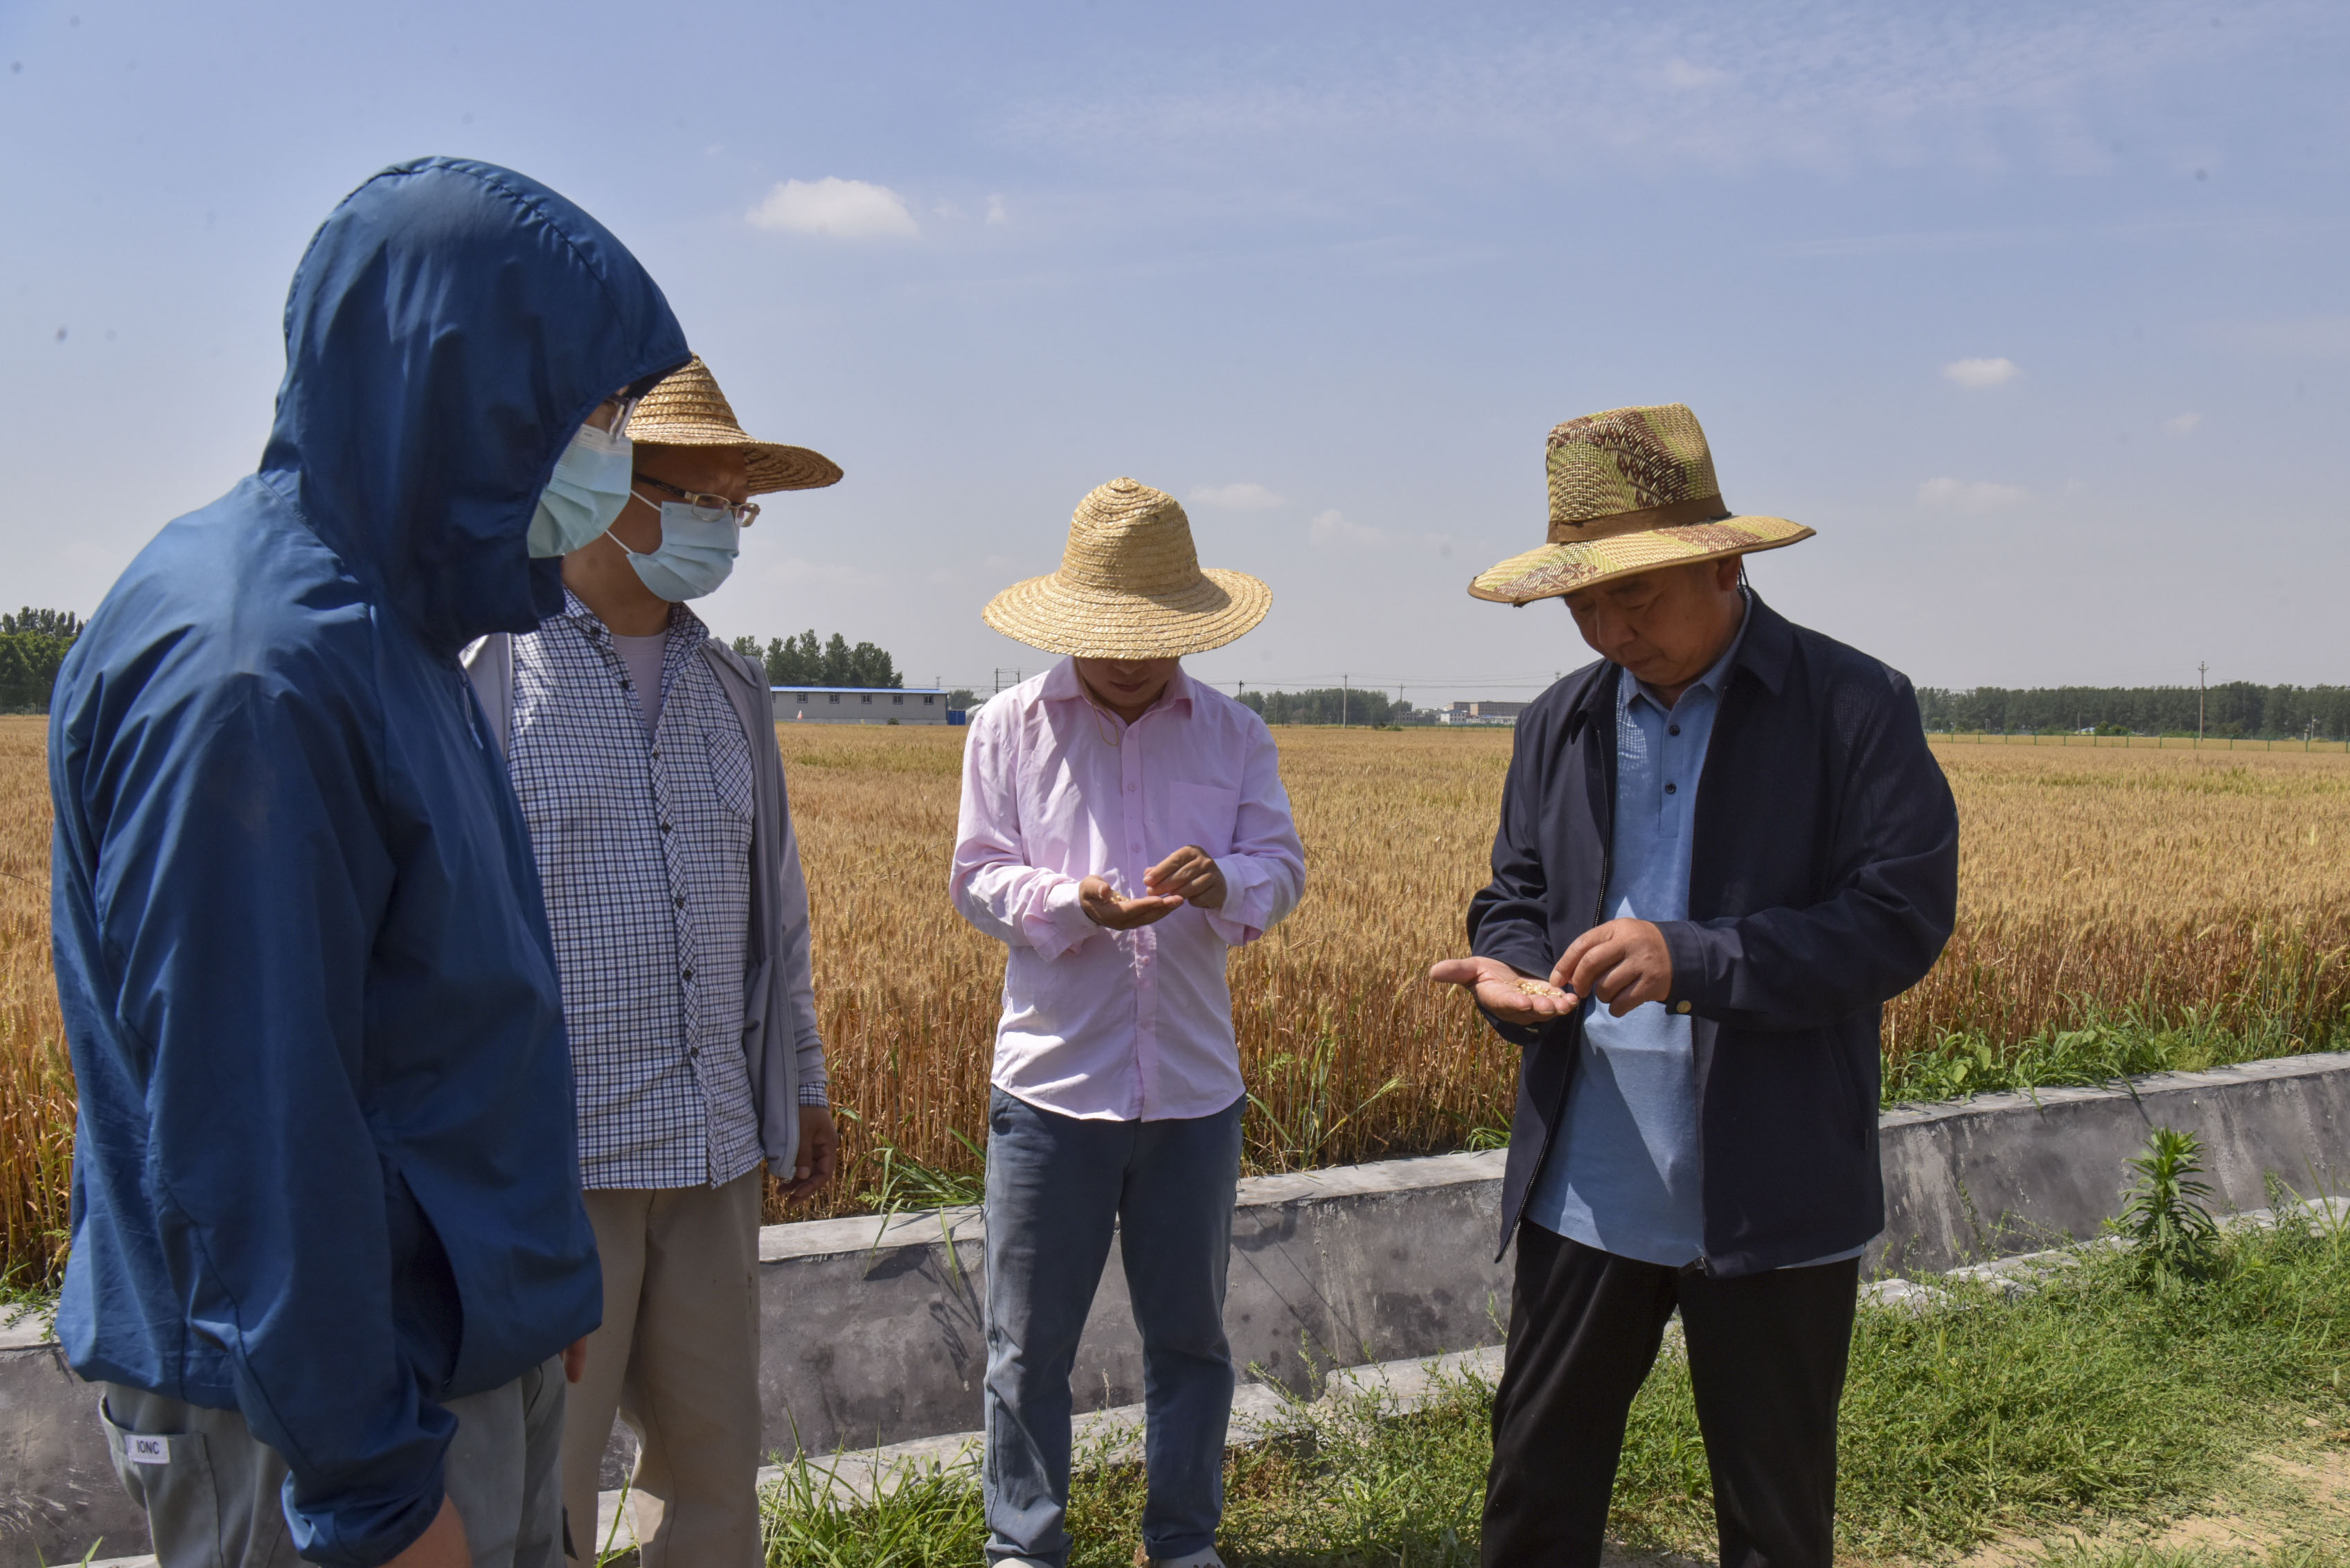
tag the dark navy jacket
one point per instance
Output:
(325, 1171)
(1823, 882)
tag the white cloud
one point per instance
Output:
(1679, 73)
(843, 209)
(1975, 374)
(1970, 494)
(1331, 527)
(1334, 528)
(2182, 424)
(1241, 497)
(995, 210)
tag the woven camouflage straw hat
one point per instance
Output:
(686, 408)
(1130, 586)
(1631, 490)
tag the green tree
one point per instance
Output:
(802, 661)
(33, 643)
(1327, 705)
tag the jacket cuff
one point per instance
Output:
(1687, 959)
(364, 1534)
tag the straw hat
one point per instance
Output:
(1130, 586)
(686, 408)
(1631, 490)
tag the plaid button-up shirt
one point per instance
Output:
(644, 850)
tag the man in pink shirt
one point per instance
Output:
(1123, 828)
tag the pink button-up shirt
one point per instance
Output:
(1120, 1025)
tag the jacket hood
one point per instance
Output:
(450, 327)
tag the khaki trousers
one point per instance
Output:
(678, 1359)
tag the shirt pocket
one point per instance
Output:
(1204, 815)
(730, 769)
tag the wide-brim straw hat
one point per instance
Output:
(1631, 490)
(1130, 586)
(686, 408)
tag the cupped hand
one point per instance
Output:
(575, 1360)
(1621, 963)
(1189, 874)
(820, 1156)
(1104, 908)
(1503, 991)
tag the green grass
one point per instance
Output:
(2093, 1402)
(2188, 1557)
(2107, 1045)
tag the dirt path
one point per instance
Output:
(2301, 1499)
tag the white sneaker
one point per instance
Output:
(1204, 1558)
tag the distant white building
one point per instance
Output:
(863, 705)
(1481, 713)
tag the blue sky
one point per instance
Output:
(2037, 313)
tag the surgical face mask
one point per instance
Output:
(589, 487)
(697, 551)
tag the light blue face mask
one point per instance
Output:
(589, 488)
(697, 551)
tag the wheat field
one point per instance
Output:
(2175, 883)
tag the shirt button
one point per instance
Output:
(1671, 789)
(1136, 847)
(665, 825)
(624, 684)
(688, 974)
(677, 901)
(1672, 729)
(1680, 1007)
(1131, 788)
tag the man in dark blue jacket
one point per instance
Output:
(1722, 848)
(327, 1224)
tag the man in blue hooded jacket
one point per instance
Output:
(327, 1238)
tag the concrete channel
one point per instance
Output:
(872, 1334)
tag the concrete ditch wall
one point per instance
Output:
(873, 1334)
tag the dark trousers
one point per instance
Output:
(1766, 1355)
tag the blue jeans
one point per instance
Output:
(1057, 1189)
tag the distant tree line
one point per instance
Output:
(2238, 709)
(33, 643)
(802, 661)
(1329, 705)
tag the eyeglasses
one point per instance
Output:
(745, 512)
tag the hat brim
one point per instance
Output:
(771, 467)
(768, 465)
(1094, 623)
(1549, 571)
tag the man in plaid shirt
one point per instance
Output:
(644, 755)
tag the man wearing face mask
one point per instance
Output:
(643, 752)
(328, 1246)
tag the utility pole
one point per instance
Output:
(1346, 691)
(2201, 671)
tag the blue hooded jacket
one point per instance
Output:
(325, 1171)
